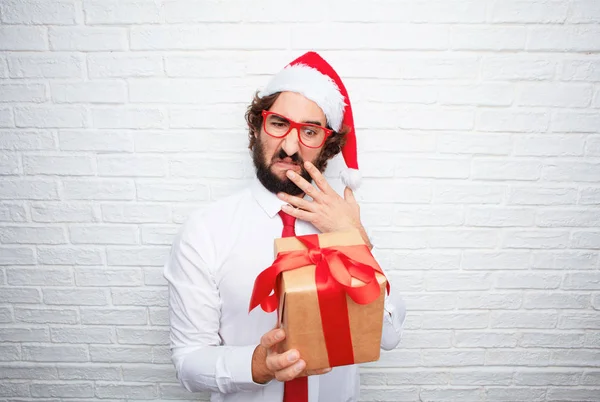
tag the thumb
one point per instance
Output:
(349, 195)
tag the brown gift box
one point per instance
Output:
(299, 311)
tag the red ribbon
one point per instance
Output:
(335, 268)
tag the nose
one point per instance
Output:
(291, 144)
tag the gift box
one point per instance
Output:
(329, 293)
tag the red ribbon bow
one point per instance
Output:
(335, 268)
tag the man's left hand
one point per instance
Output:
(328, 212)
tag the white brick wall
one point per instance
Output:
(479, 137)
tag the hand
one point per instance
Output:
(267, 363)
(328, 212)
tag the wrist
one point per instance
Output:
(365, 237)
(260, 372)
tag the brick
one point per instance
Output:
(121, 12)
(6, 117)
(81, 335)
(541, 195)
(520, 11)
(16, 256)
(188, 141)
(127, 391)
(404, 377)
(571, 394)
(519, 319)
(99, 189)
(3, 68)
(540, 239)
(581, 281)
(34, 12)
(143, 166)
(55, 353)
(575, 358)
(105, 234)
(146, 256)
(584, 11)
(381, 90)
(128, 117)
(9, 164)
(19, 295)
(575, 122)
(159, 316)
(407, 239)
(162, 235)
(498, 169)
(485, 339)
(564, 38)
(209, 36)
(427, 339)
(39, 276)
(199, 66)
(59, 165)
(459, 143)
(567, 218)
(95, 141)
(71, 390)
(5, 315)
(514, 394)
(498, 67)
(396, 394)
(153, 276)
(455, 320)
(100, 276)
(441, 281)
(65, 212)
(143, 337)
(479, 376)
(47, 65)
(24, 334)
(577, 320)
(420, 216)
(138, 213)
(557, 301)
(8, 389)
(171, 191)
(499, 217)
(26, 140)
(488, 94)
(46, 315)
(429, 168)
(122, 316)
(94, 372)
(546, 376)
(590, 196)
(468, 193)
(587, 70)
(76, 297)
(213, 167)
(555, 95)
(87, 38)
(27, 189)
(9, 353)
(564, 260)
(448, 394)
(123, 65)
(23, 93)
(549, 145)
(161, 354)
(26, 371)
(218, 116)
(488, 38)
(487, 300)
(18, 38)
(417, 117)
(589, 240)
(121, 354)
(509, 121)
(589, 378)
(571, 171)
(50, 116)
(89, 92)
(140, 297)
(527, 280)
(432, 301)
(592, 147)
(70, 255)
(517, 357)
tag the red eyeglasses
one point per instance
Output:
(310, 135)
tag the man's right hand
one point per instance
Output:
(267, 363)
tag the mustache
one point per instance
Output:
(282, 155)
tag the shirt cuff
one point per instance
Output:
(239, 362)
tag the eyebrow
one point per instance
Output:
(315, 122)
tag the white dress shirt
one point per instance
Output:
(214, 260)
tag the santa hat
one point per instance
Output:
(311, 76)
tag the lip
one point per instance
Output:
(287, 166)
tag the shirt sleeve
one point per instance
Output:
(201, 362)
(394, 313)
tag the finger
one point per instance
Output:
(297, 202)
(318, 178)
(272, 338)
(304, 185)
(349, 195)
(299, 213)
(281, 361)
(291, 372)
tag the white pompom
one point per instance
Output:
(351, 178)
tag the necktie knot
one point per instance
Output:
(288, 224)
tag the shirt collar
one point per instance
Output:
(266, 199)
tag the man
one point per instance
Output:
(296, 124)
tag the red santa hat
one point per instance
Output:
(311, 76)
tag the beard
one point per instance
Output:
(269, 179)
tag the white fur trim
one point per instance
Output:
(315, 86)
(351, 178)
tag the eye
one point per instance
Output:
(278, 124)
(310, 132)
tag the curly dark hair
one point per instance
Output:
(333, 145)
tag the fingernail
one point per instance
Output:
(290, 173)
(327, 370)
(278, 335)
(299, 367)
(280, 195)
(292, 356)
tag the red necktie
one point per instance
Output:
(295, 390)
